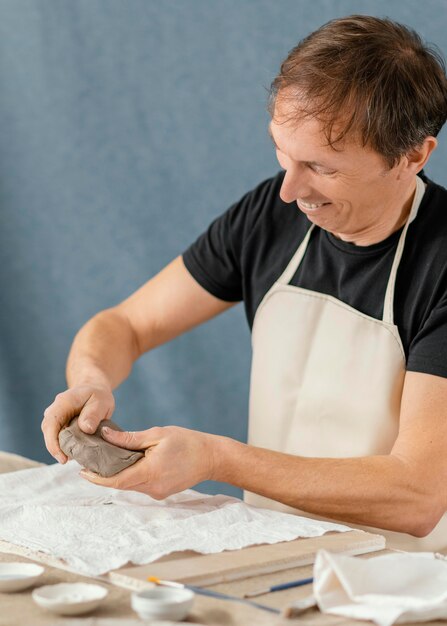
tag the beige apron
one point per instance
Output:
(327, 380)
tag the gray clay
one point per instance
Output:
(93, 452)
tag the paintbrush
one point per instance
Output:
(280, 587)
(210, 593)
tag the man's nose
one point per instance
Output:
(294, 185)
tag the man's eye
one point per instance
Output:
(321, 170)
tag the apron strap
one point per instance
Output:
(295, 261)
(388, 309)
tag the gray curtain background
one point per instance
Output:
(125, 128)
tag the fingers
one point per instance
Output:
(92, 414)
(91, 404)
(55, 418)
(139, 440)
(128, 478)
(134, 478)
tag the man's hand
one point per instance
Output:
(91, 403)
(175, 459)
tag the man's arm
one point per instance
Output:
(403, 491)
(166, 306)
(106, 347)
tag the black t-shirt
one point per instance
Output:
(245, 250)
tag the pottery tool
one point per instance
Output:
(210, 593)
(280, 587)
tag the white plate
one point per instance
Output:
(163, 603)
(69, 598)
(18, 576)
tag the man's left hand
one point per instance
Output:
(175, 459)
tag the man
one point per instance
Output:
(341, 262)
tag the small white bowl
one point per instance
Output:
(163, 603)
(17, 576)
(69, 598)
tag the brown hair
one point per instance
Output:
(371, 77)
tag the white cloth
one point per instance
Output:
(95, 529)
(400, 587)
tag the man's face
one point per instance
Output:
(349, 191)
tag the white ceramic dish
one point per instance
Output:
(163, 603)
(69, 598)
(18, 576)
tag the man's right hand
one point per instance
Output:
(91, 403)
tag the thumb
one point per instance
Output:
(92, 413)
(139, 440)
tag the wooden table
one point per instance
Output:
(18, 608)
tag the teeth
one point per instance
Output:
(311, 206)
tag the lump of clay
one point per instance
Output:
(93, 452)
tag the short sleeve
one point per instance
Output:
(428, 350)
(216, 259)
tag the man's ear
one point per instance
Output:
(417, 158)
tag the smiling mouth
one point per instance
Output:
(311, 206)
